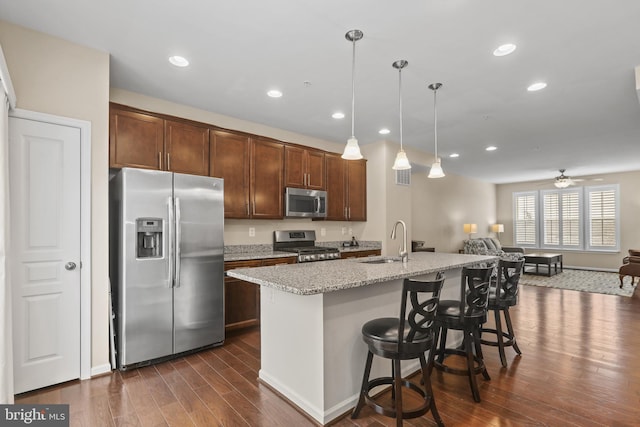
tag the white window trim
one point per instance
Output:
(587, 237)
(585, 215)
(583, 210)
(537, 209)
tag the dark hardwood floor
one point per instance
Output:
(580, 367)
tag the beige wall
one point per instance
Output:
(441, 206)
(629, 218)
(56, 77)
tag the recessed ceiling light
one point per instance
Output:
(338, 115)
(491, 148)
(537, 86)
(504, 49)
(384, 131)
(274, 93)
(178, 61)
(454, 155)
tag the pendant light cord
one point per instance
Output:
(435, 122)
(353, 90)
(400, 102)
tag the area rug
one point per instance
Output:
(599, 282)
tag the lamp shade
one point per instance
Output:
(402, 162)
(352, 150)
(497, 228)
(436, 170)
(470, 228)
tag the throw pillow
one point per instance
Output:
(497, 243)
(489, 243)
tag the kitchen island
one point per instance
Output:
(312, 352)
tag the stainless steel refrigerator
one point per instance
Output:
(166, 266)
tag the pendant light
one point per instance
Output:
(436, 168)
(352, 150)
(402, 162)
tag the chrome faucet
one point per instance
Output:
(403, 253)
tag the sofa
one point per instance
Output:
(630, 266)
(491, 246)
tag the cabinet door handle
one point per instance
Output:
(349, 212)
(168, 161)
(248, 213)
(160, 160)
(345, 212)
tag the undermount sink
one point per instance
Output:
(385, 260)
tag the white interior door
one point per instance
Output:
(45, 252)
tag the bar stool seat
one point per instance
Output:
(407, 337)
(465, 315)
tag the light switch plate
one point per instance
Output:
(323, 231)
(252, 232)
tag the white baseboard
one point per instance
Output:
(100, 369)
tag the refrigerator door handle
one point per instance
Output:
(170, 224)
(178, 240)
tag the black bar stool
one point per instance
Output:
(466, 315)
(408, 337)
(503, 294)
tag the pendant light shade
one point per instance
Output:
(352, 150)
(401, 162)
(436, 168)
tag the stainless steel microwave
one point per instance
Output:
(305, 203)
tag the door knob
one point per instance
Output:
(70, 266)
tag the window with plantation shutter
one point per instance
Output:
(603, 220)
(525, 208)
(561, 212)
(576, 218)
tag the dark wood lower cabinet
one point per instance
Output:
(360, 254)
(242, 299)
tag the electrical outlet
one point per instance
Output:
(252, 232)
(323, 231)
(344, 230)
(350, 231)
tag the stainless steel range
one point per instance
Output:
(304, 244)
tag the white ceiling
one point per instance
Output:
(586, 121)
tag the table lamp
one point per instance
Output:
(497, 228)
(470, 229)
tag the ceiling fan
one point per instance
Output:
(563, 181)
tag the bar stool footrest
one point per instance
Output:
(390, 411)
(441, 366)
(509, 342)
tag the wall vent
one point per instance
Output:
(403, 177)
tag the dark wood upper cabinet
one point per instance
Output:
(346, 188)
(255, 169)
(267, 171)
(187, 148)
(141, 140)
(135, 140)
(357, 190)
(304, 168)
(230, 160)
(336, 187)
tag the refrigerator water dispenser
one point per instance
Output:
(149, 241)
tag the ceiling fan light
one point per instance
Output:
(436, 170)
(563, 183)
(352, 150)
(402, 162)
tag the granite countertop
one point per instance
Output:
(262, 251)
(329, 276)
